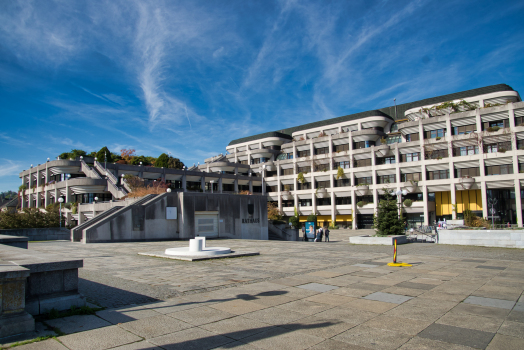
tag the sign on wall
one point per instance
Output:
(171, 213)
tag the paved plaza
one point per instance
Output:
(294, 295)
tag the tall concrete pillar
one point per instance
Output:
(453, 191)
(203, 183)
(220, 190)
(425, 199)
(518, 202)
(235, 185)
(353, 210)
(484, 193)
(478, 120)
(184, 183)
(251, 185)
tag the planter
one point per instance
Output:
(387, 240)
(321, 193)
(466, 182)
(362, 190)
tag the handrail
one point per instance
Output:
(112, 180)
(87, 170)
(107, 173)
(126, 186)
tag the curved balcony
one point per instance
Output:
(61, 166)
(367, 135)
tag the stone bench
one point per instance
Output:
(52, 281)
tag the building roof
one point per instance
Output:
(386, 112)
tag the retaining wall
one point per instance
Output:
(40, 234)
(388, 240)
(484, 238)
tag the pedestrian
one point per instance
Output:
(326, 234)
(319, 235)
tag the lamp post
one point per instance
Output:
(492, 202)
(60, 200)
(105, 160)
(399, 194)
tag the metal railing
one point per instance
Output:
(86, 169)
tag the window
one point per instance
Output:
(306, 153)
(438, 174)
(412, 137)
(324, 201)
(471, 172)
(465, 151)
(341, 148)
(271, 173)
(323, 150)
(344, 200)
(410, 157)
(363, 162)
(272, 188)
(499, 169)
(288, 204)
(394, 139)
(437, 154)
(287, 187)
(394, 127)
(284, 156)
(386, 160)
(411, 177)
(363, 144)
(343, 165)
(435, 133)
(466, 129)
(342, 183)
(287, 172)
(497, 147)
(386, 179)
(519, 121)
(322, 184)
(364, 180)
(304, 186)
(304, 202)
(304, 169)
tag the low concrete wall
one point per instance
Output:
(484, 238)
(40, 234)
(401, 239)
(14, 241)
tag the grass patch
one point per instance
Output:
(29, 341)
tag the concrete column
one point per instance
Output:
(397, 165)
(353, 210)
(449, 129)
(331, 154)
(511, 112)
(235, 185)
(203, 183)
(477, 117)
(46, 197)
(333, 208)
(375, 200)
(425, 199)
(184, 183)
(453, 191)
(220, 184)
(56, 194)
(518, 202)
(250, 185)
(483, 191)
(421, 137)
(68, 193)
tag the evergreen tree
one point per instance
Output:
(387, 221)
(162, 161)
(101, 155)
(175, 163)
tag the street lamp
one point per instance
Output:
(399, 194)
(60, 200)
(492, 202)
(168, 190)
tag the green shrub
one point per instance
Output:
(312, 218)
(408, 203)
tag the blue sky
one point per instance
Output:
(187, 77)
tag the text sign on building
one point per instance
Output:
(171, 213)
(251, 221)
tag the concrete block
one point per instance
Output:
(51, 237)
(32, 306)
(16, 324)
(61, 302)
(14, 241)
(45, 283)
(70, 280)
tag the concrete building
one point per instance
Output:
(451, 153)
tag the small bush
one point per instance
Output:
(361, 204)
(493, 128)
(408, 203)
(312, 218)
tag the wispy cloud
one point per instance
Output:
(9, 167)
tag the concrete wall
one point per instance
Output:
(137, 223)
(485, 238)
(40, 234)
(388, 240)
(233, 216)
(147, 221)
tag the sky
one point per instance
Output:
(187, 77)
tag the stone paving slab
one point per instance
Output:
(457, 335)
(234, 254)
(49, 344)
(141, 345)
(388, 298)
(190, 339)
(101, 338)
(318, 287)
(79, 323)
(502, 304)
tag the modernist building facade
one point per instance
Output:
(450, 153)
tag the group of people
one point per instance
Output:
(318, 234)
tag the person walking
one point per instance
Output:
(319, 235)
(326, 234)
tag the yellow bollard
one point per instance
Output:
(394, 263)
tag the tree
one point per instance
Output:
(162, 161)
(145, 160)
(294, 220)
(127, 155)
(77, 153)
(273, 213)
(174, 163)
(312, 218)
(387, 221)
(101, 155)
